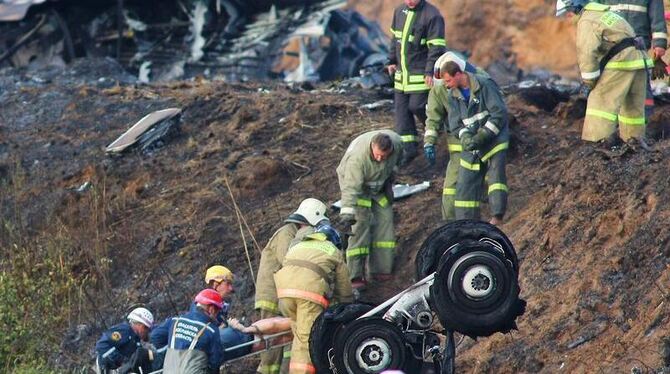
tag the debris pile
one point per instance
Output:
(167, 40)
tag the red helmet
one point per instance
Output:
(209, 296)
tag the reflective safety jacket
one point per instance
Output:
(417, 42)
(599, 30)
(362, 178)
(314, 270)
(436, 108)
(271, 259)
(485, 110)
(647, 17)
(193, 331)
(116, 345)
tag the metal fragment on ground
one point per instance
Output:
(399, 191)
(132, 135)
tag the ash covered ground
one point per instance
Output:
(589, 223)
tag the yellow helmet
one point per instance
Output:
(218, 273)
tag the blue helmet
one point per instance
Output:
(331, 234)
(563, 6)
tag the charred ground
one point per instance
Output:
(589, 223)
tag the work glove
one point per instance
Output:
(584, 90)
(347, 220)
(659, 70)
(590, 83)
(388, 189)
(467, 141)
(140, 359)
(481, 138)
(429, 153)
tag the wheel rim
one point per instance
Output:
(373, 355)
(478, 282)
(370, 345)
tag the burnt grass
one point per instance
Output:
(589, 222)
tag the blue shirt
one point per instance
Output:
(466, 94)
(116, 345)
(188, 327)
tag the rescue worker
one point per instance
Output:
(118, 344)
(417, 42)
(365, 175)
(613, 67)
(436, 118)
(193, 340)
(313, 275)
(478, 117)
(647, 18)
(220, 279)
(309, 213)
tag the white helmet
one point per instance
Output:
(446, 57)
(143, 316)
(310, 212)
(456, 57)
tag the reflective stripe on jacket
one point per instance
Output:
(436, 108)
(271, 259)
(116, 345)
(646, 17)
(599, 30)
(486, 109)
(417, 41)
(298, 279)
(193, 330)
(361, 178)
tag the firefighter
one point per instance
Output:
(118, 344)
(193, 340)
(309, 213)
(647, 17)
(612, 66)
(436, 118)
(313, 275)
(365, 175)
(478, 117)
(417, 42)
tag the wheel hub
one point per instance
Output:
(478, 282)
(373, 355)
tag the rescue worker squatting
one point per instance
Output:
(192, 340)
(418, 40)
(120, 343)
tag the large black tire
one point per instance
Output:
(464, 231)
(476, 291)
(370, 345)
(325, 330)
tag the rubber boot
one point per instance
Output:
(410, 152)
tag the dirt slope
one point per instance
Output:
(589, 223)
